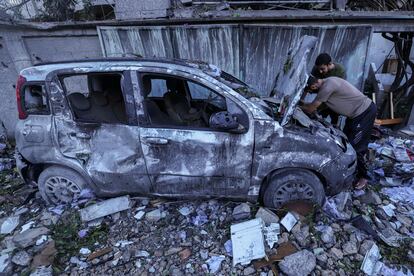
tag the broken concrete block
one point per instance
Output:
(241, 211)
(248, 241)
(4, 262)
(29, 237)
(9, 225)
(289, 221)
(22, 258)
(154, 215)
(267, 216)
(299, 263)
(371, 264)
(105, 208)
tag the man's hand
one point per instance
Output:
(311, 107)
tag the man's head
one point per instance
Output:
(324, 63)
(313, 84)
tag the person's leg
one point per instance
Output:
(358, 131)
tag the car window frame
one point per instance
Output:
(166, 73)
(131, 121)
(44, 92)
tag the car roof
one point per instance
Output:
(39, 71)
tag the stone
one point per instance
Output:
(336, 253)
(241, 211)
(22, 258)
(9, 224)
(298, 264)
(42, 271)
(249, 270)
(404, 220)
(204, 254)
(172, 250)
(184, 254)
(154, 215)
(46, 256)
(301, 234)
(105, 208)
(328, 273)
(4, 263)
(350, 248)
(327, 235)
(365, 246)
(267, 216)
(370, 197)
(29, 237)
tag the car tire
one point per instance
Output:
(292, 185)
(59, 185)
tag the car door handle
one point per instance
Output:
(80, 135)
(154, 140)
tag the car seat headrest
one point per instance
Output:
(79, 101)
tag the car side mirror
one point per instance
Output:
(223, 120)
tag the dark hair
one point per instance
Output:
(311, 80)
(323, 59)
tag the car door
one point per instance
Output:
(103, 139)
(189, 160)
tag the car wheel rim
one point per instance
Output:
(291, 191)
(61, 189)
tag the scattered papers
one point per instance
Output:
(289, 221)
(371, 264)
(271, 233)
(248, 241)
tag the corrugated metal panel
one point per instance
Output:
(255, 53)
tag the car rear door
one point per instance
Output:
(101, 136)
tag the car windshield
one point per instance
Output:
(239, 86)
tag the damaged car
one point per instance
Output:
(173, 128)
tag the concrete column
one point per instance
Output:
(17, 50)
(340, 4)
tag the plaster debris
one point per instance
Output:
(371, 264)
(241, 211)
(9, 225)
(139, 215)
(105, 208)
(214, 263)
(267, 216)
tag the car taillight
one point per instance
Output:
(22, 113)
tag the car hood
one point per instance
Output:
(291, 81)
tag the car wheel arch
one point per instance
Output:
(275, 172)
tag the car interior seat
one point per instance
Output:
(177, 105)
(155, 114)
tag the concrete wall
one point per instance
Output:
(20, 48)
(138, 9)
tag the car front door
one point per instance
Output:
(190, 158)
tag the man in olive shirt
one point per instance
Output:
(325, 68)
(345, 99)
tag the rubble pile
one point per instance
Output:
(355, 233)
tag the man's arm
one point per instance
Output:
(311, 107)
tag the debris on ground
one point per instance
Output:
(354, 233)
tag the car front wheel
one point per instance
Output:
(293, 185)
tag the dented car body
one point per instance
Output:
(142, 127)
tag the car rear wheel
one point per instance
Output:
(293, 185)
(59, 185)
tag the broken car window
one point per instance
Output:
(174, 101)
(96, 97)
(35, 99)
